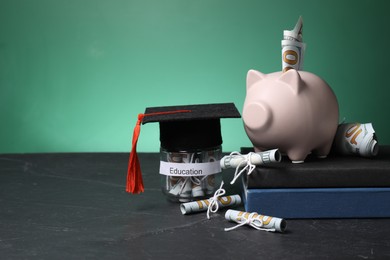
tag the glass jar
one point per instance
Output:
(190, 175)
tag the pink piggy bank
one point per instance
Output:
(295, 111)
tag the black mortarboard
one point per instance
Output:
(181, 128)
(192, 126)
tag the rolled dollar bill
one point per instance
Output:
(235, 160)
(356, 138)
(202, 205)
(293, 49)
(182, 189)
(256, 220)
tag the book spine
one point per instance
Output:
(319, 202)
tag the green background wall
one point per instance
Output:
(74, 74)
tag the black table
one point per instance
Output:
(74, 206)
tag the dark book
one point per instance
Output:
(335, 171)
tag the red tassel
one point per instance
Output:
(134, 182)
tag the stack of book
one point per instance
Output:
(334, 187)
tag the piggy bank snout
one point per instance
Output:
(257, 116)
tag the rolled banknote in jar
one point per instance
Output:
(356, 138)
(259, 158)
(293, 49)
(256, 220)
(202, 205)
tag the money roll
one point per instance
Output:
(293, 49)
(202, 205)
(278, 224)
(233, 161)
(357, 139)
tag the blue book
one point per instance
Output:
(319, 202)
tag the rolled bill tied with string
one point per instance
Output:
(202, 205)
(255, 220)
(293, 49)
(259, 158)
(356, 138)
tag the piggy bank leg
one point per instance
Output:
(297, 156)
(323, 151)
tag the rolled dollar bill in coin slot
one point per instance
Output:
(234, 160)
(202, 205)
(256, 220)
(356, 138)
(293, 49)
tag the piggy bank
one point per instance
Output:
(295, 111)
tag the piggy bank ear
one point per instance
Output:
(292, 79)
(252, 77)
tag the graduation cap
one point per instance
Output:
(181, 128)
